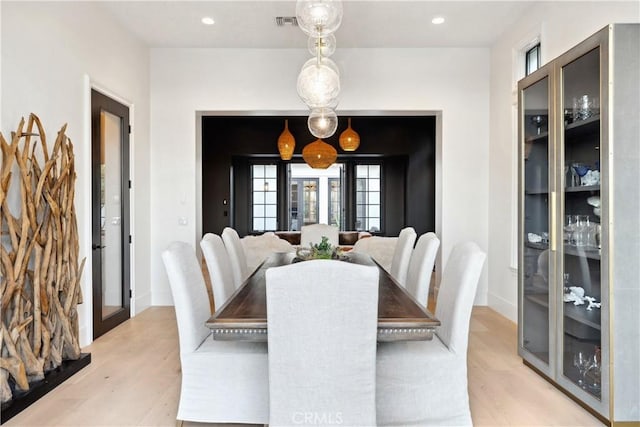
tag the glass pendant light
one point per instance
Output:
(322, 122)
(286, 142)
(319, 18)
(319, 83)
(319, 154)
(327, 45)
(349, 139)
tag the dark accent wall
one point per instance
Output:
(404, 145)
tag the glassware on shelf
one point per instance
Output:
(570, 224)
(581, 361)
(566, 283)
(580, 170)
(582, 231)
(593, 374)
(539, 121)
(583, 107)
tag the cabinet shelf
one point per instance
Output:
(538, 246)
(583, 189)
(591, 253)
(535, 138)
(583, 126)
(579, 313)
(536, 191)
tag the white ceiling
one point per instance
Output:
(251, 24)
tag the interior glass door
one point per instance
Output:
(110, 213)
(535, 250)
(581, 194)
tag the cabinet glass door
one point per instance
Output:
(535, 297)
(581, 339)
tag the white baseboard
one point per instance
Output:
(142, 302)
(504, 307)
(162, 298)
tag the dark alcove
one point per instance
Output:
(403, 145)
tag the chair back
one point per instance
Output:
(402, 255)
(258, 248)
(236, 254)
(313, 233)
(322, 319)
(421, 267)
(456, 294)
(219, 267)
(189, 295)
(379, 248)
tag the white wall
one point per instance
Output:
(561, 25)
(48, 50)
(184, 81)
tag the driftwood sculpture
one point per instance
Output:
(39, 268)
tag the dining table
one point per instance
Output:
(243, 317)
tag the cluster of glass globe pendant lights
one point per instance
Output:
(319, 83)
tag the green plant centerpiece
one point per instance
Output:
(322, 250)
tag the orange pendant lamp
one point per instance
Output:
(349, 139)
(319, 154)
(286, 142)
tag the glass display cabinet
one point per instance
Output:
(579, 222)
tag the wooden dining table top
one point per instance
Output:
(244, 316)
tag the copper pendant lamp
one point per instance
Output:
(349, 139)
(319, 154)
(286, 142)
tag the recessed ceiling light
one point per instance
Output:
(208, 20)
(437, 20)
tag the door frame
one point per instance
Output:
(114, 106)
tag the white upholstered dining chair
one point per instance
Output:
(222, 381)
(313, 233)
(219, 267)
(424, 383)
(258, 248)
(421, 264)
(237, 256)
(322, 320)
(402, 255)
(379, 248)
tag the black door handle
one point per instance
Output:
(94, 247)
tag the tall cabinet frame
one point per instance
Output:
(579, 223)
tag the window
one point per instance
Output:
(264, 196)
(532, 59)
(368, 212)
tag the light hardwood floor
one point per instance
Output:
(134, 380)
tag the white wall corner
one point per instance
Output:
(140, 303)
(83, 195)
(507, 308)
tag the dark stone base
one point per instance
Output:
(51, 380)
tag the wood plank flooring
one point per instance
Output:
(134, 380)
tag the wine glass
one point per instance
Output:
(593, 374)
(582, 362)
(571, 223)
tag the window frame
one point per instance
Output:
(527, 58)
(340, 201)
(381, 192)
(252, 191)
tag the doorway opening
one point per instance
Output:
(315, 195)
